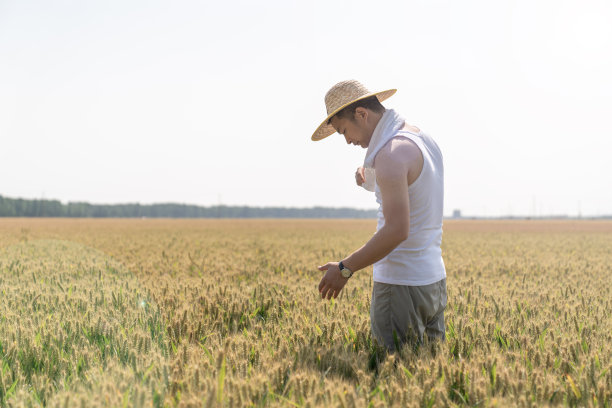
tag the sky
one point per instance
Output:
(210, 103)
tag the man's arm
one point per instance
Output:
(392, 179)
(392, 169)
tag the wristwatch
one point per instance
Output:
(346, 272)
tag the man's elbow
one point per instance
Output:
(400, 233)
(403, 234)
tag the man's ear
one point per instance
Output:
(361, 113)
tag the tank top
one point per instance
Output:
(417, 261)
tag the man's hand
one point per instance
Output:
(332, 282)
(360, 176)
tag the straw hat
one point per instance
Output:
(339, 97)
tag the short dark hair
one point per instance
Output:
(372, 103)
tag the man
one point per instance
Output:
(409, 292)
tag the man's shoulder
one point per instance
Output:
(400, 157)
(399, 149)
(393, 159)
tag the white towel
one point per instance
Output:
(387, 128)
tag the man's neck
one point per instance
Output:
(375, 119)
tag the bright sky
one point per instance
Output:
(208, 102)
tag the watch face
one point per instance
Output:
(346, 273)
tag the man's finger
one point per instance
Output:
(321, 284)
(324, 292)
(323, 267)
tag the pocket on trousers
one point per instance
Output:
(443, 299)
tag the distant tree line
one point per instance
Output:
(17, 207)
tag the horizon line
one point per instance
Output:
(453, 216)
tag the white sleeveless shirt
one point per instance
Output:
(417, 261)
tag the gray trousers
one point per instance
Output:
(401, 313)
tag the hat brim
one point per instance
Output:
(325, 129)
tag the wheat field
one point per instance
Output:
(152, 313)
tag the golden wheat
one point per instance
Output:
(226, 313)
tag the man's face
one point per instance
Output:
(353, 131)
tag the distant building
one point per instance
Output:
(456, 213)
